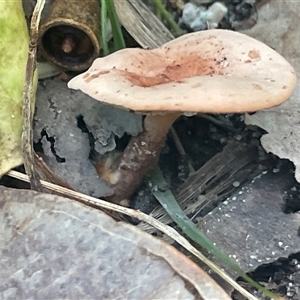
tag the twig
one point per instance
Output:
(180, 147)
(227, 125)
(28, 99)
(177, 142)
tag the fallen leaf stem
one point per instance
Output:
(28, 99)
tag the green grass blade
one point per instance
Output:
(162, 10)
(156, 182)
(119, 42)
(103, 39)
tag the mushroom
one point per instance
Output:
(213, 71)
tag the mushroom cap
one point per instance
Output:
(212, 71)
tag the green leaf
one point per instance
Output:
(14, 43)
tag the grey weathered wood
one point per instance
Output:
(142, 24)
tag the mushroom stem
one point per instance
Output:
(140, 155)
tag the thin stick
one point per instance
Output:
(177, 141)
(28, 99)
(180, 147)
(171, 232)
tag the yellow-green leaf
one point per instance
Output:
(14, 42)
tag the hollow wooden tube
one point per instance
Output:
(69, 38)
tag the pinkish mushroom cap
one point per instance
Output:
(213, 71)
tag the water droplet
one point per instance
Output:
(163, 187)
